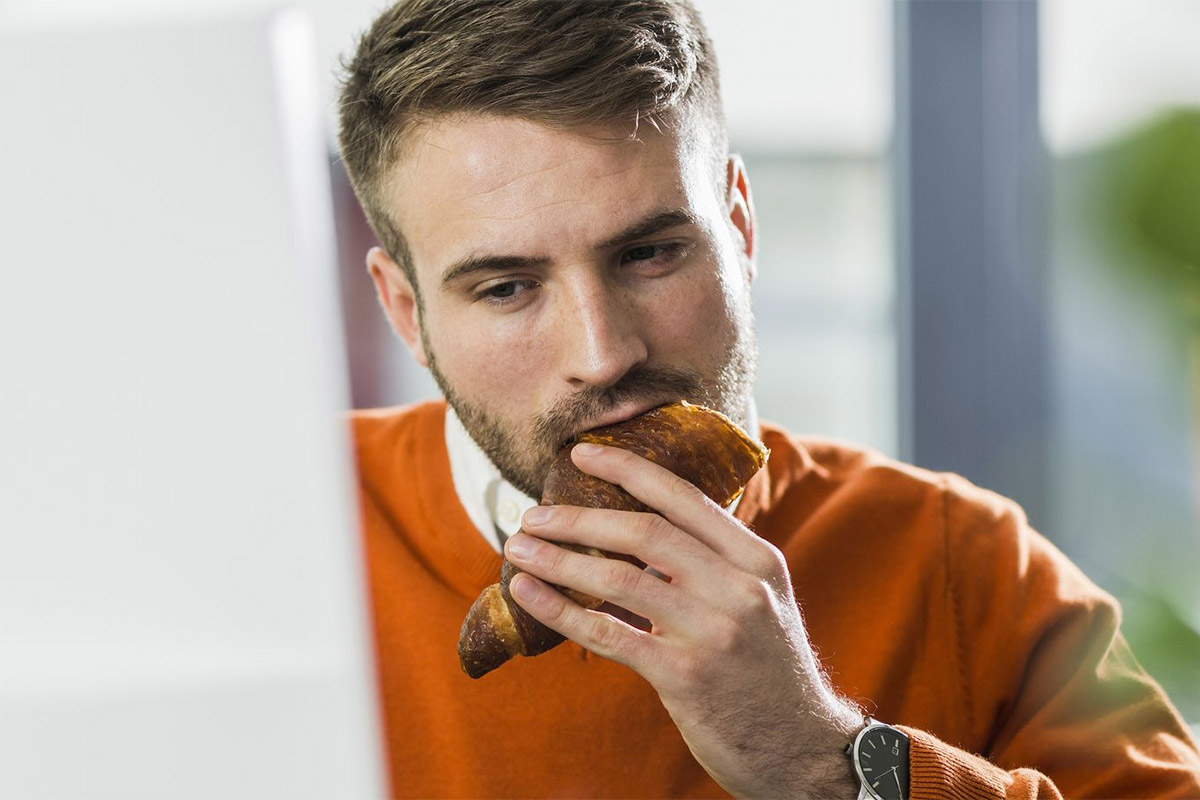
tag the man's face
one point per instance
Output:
(567, 280)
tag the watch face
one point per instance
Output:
(883, 763)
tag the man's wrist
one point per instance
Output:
(827, 772)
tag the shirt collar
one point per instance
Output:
(492, 503)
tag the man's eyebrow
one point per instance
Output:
(470, 264)
(643, 227)
(650, 226)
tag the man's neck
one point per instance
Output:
(492, 503)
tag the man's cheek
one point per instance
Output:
(691, 321)
(470, 346)
(508, 379)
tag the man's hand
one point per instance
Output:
(726, 650)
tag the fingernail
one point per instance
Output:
(587, 449)
(538, 515)
(519, 546)
(523, 588)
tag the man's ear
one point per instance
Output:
(399, 301)
(740, 207)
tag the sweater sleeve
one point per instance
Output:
(1054, 704)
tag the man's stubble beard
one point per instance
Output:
(524, 464)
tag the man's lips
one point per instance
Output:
(621, 413)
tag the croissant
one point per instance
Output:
(696, 443)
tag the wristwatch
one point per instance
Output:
(880, 757)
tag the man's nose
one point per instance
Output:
(605, 338)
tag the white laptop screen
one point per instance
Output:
(182, 597)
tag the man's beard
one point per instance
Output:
(525, 464)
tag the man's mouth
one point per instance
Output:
(622, 413)
(637, 393)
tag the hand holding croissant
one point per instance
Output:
(726, 650)
(698, 444)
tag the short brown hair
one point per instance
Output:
(561, 63)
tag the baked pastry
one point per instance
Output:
(696, 443)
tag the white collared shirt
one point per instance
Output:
(492, 503)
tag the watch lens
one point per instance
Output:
(883, 758)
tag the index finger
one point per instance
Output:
(680, 502)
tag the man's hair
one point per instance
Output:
(565, 64)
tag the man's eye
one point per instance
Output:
(659, 253)
(503, 290)
(643, 253)
(503, 293)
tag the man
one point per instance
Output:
(566, 244)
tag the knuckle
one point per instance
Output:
(768, 562)
(752, 597)
(567, 517)
(648, 527)
(685, 492)
(623, 579)
(606, 637)
(676, 540)
(553, 557)
(553, 607)
(621, 458)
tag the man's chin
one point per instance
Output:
(529, 486)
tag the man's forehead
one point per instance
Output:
(465, 158)
(483, 182)
(480, 145)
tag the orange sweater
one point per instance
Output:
(929, 601)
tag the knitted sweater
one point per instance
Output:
(929, 601)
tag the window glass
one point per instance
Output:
(1121, 116)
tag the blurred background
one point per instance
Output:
(980, 252)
